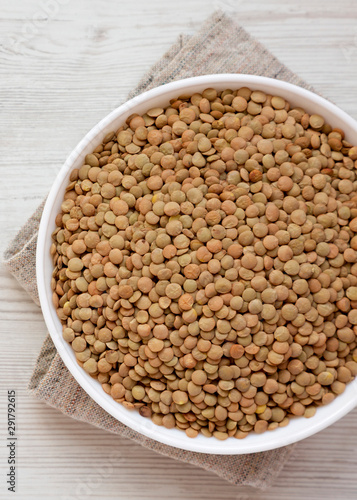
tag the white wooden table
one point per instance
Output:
(65, 64)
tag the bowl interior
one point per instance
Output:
(298, 428)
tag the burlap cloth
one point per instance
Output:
(221, 46)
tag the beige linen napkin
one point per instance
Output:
(221, 46)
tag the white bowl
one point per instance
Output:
(298, 428)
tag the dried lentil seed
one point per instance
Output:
(166, 259)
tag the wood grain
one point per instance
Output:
(59, 75)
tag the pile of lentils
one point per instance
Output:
(205, 263)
